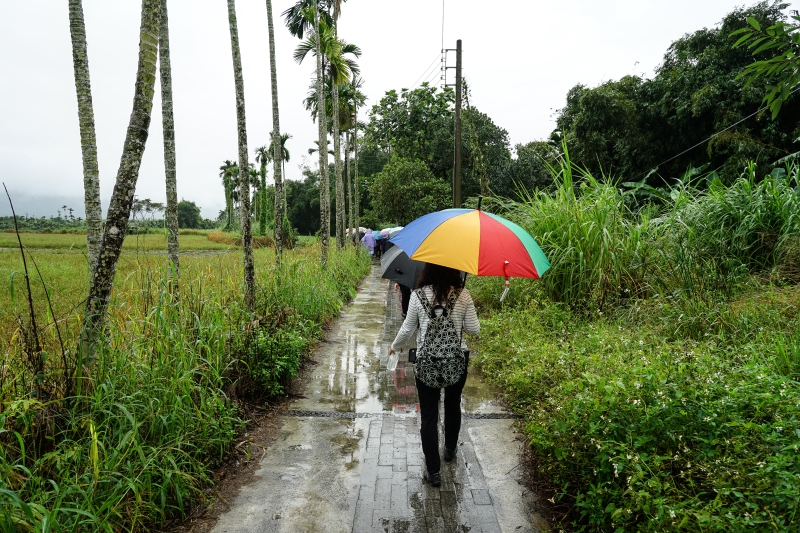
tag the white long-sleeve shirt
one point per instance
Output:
(464, 317)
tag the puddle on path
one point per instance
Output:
(352, 374)
(335, 471)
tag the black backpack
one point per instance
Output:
(441, 361)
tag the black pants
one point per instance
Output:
(405, 296)
(429, 413)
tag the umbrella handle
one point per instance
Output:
(505, 291)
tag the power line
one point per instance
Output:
(426, 71)
(715, 135)
(432, 76)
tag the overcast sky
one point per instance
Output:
(520, 58)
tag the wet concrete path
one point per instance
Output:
(348, 457)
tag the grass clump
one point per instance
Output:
(657, 370)
(159, 410)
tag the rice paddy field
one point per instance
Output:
(132, 440)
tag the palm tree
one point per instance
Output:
(285, 157)
(297, 20)
(339, 70)
(125, 185)
(229, 172)
(83, 88)
(244, 184)
(263, 156)
(277, 157)
(168, 124)
(350, 98)
(324, 189)
(254, 178)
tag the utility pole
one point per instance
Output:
(457, 133)
(457, 150)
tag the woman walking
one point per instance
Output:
(440, 293)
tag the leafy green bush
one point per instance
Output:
(657, 375)
(644, 432)
(278, 355)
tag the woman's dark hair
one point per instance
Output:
(442, 279)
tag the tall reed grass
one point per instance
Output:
(656, 363)
(159, 410)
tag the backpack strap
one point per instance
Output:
(451, 303)
(426, 305)
(430, 310)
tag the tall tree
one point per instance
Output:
(277, 156)
(125, 185)
(229, 172)
(356, 193)
(324, 189)
(337, 70)
(168, 124)
(263, 156)
(337, 151)
(83, 88)
(285, 158)
(244, 182)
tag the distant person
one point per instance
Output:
(440, 293)
(378, 245)
(405, 296)
(368, 240)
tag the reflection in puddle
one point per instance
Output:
(355, 376)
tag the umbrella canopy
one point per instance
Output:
(394, 231)
(473, 241)
(385, 232)
(396, 266)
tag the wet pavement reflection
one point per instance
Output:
(349, 458)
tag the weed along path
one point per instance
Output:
(348, 457)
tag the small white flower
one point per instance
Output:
(671, 513)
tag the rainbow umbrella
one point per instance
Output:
(473, 241)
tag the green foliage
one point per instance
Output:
(628, 126)
(141, 445)
(643, 432)
(659, 382)
(418, 124)
(594, 245)
(189, 215)
(782, 38)
(406, 190)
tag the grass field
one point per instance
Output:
(157, 411)
(144, 242)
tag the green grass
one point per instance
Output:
(146, 242)
(657, 364)
(139, 446)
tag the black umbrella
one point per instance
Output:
(396, 266)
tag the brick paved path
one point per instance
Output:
(349, 458)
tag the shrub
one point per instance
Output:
(643, 433)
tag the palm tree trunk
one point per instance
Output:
(244, 177)
(357, 199)
(262, 215)
(125, 186)
(337, 165)
(347, 179)
(283, 192)
(83, 88)
(277, 156)
(229, 208)
(324, 188)
(168, 123)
